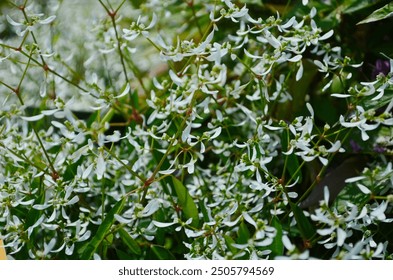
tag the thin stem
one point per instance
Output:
(25, 159)
(112, 15)
(45, 67)
(129, 169)
(54, 72)
(170, 62)
(136, 71)
(54, 172)
(7, 86)
(164, 157)
(32, 34)
(203, 38)
(121, 4)
(191, 4)
(286, 157)
(323, 170)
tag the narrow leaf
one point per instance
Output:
(103, 230)
(277, 245)
(129, 241)
(186, 202)
(243, 234)
(306, 229)
(229, 242)
(162, 253)
(379, 14)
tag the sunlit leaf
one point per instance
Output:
(380, 14)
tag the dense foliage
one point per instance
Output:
(199, 129)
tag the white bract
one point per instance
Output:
(207, 121)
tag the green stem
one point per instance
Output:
(112, 15)
(54, 172)
(32, 35)
(164, 157)
(25, 159)
(129, 169)
(191, 3)
(55, 73)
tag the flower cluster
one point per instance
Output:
(191, 130)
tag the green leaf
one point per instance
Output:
(90, 119)
(243, 234)
(121, 255)
(157, 155)
(162, 253)
(159, 237)
(129, 241)
(351, 7)
(202, 207)
(277, 246)
(229, 242)
(369, 103)
(306, 229)
(108, 116)
(103, 230)
(379, 14)
(135, 99)
(186, 202)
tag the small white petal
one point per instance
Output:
(178, 81)
(167, 172)
(122, 220)
(354, 179)
(47, 20)
(310, 109)
(73, 200)
(49, 112)
(326, 231)
(341, 235)
(153, 21)
(100, 166)
(299, 73)
(12, 22)
(323, 160)
(327, 35)
(125, 91)
(163, 225)
(363, 188)
(296, 58)
(340, 95)
(250, 220)
(287, 243)
(186, 132)
(33, 118)
(43, 89)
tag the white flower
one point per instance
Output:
(138, 28)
